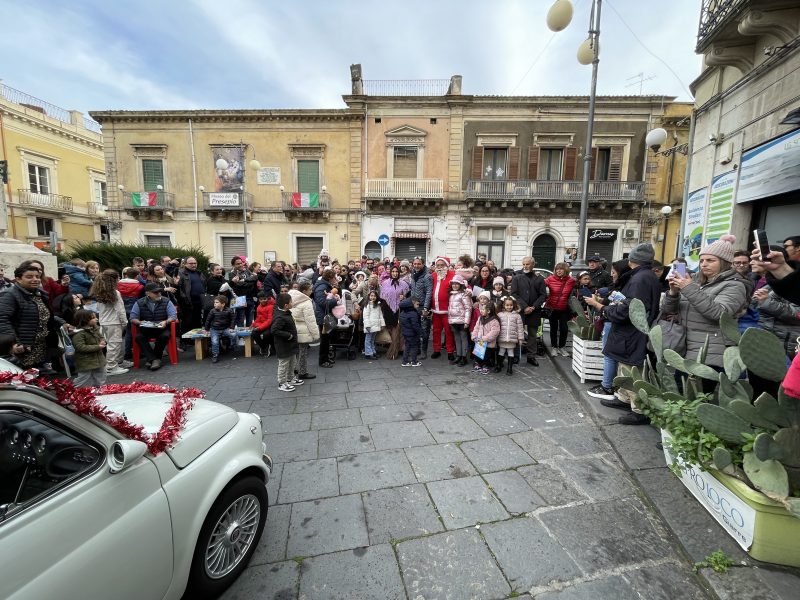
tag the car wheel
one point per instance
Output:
(228, 538)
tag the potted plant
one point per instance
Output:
(739, 457)
(587, 349)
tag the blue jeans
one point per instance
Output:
(215, 336)
(609, 364)
(369, 343)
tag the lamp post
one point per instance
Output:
(558, 18)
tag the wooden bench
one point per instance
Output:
(202, 346)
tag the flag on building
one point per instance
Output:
(144, 198)
(305, 200)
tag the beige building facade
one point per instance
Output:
(267, 184)
(56, 172)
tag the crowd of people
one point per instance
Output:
(472, 311)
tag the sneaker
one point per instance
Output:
(215, 359)
(485, 371)
(600, 392)
(405, 364)
(116, 371)
(615, 403)
(416, 364)
(476, 367)
(305, 376)
(564, 352)
(436, 355)
(126, 364)
(286, 387)
(553, 352)
(296, 381)
(633, 418)
(155, 365)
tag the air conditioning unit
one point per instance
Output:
(104, 237)
(629, 234)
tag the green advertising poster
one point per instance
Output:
(720, 209)
(694, 219)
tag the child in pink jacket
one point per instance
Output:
(486, 331)
(512, 332)
(459, 311)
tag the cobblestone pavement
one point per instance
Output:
(437, 482)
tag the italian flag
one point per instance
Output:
(144, 198)
(305, 200)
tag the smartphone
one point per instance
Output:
(679, 268)
(762, 243)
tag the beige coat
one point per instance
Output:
(304, 318)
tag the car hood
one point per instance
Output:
(206, 422)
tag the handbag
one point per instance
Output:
(673, 333)
(329, 322)
(383, 336)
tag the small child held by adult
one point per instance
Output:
(485, 334)
(221, 322)
(411, 328)
(88, 340)
(284, 336)
(512, 334)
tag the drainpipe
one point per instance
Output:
(10, 209)
(194, 178)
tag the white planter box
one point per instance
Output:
(587, 359)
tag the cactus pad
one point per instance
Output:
(769, 476)
(722, 458)
(763, 354)
(724, 423)
(751, 414)
(765, 448)
(657, 342)
(700, 370)
(732, 362)
(730, 328)
(637, 313)
(770, 410)
(674, 359)
(788, 440)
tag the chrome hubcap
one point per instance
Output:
(232, 536)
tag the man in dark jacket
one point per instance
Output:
(626, 344)
(191, 286)
(411, 329)
(324, 302)
(422, 290)
(600, 278)
(284, 335)
(274, 280)
(530, 292)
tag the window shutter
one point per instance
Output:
(308, 250)
(308, 176)
(513, 162)
(232, 246)
(405, 163)
(152, 174)
(570, 163)
(533, 162)
(593, 170)
(477, 162)
(615, 164)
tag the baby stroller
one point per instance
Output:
(342, 328)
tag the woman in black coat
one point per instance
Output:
(326, 297)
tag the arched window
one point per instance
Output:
(372, 250)
(544, 251)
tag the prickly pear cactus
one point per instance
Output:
(763, 354)
(637, 313)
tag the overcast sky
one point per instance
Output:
(170, 54)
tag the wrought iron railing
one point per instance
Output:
(406, 87)
(405, 188)
(714, 14)
(522, 189)
(223, 201)
(297, 202)
(51, 110)
(141, 201)
(47, 201)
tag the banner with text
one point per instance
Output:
(720, 208)
(770, 169)
(693, 223)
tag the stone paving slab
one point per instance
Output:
(442, 461)
(538, 444)
(384, 414)
(400, 512)
(527, 555)
(332, 419)
(499, 422)
(322, 526)
(345, 440)
(278, 581)
(637, 448)
(272, 546)
(615, 587)
(306, 480)
(287, 423)
(551, 484)
(454, 429)
(323, 402)
(455, 565)
(596, 478)
(400, 435)
(359, 399)
(580, 440)
(514, 492)
(287, 447)
(374, 470)
(468, 406)
(495, 454)
(466, 501)
(358, 574)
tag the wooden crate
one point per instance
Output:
(587, 359)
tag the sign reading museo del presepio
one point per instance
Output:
(727, 508)
(223, 199)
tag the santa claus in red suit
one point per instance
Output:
(442, 276)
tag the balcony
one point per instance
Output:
(149, 204)
(551, 194)
(308, 207)
(227, 205)
(50, 202)
(403, 194)
(718, 19)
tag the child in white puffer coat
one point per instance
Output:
(459, 313)
(372, 317)
(512, 333)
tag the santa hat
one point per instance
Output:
(499, 280)
(443, 259)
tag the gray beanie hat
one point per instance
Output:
(643, 254)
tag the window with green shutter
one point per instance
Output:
(308, 176)
(152, 174)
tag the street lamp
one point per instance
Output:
(558, 18)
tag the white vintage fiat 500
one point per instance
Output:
(86, 513)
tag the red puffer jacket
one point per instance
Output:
(560, 289)
(263, 320)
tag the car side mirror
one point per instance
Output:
(124, 453)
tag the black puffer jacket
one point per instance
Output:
(284, 333)
(19, 315)
(410, 325)
(220, 319)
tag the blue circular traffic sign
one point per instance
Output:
(383, 239)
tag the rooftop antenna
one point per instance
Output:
(639, 80)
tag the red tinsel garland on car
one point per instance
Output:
(83, 401)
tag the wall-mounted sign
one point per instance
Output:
(770, 169)
(223, 199)
(693, 223)
(720, 208)
(268, 176)
(605, 235)
(383, 239)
